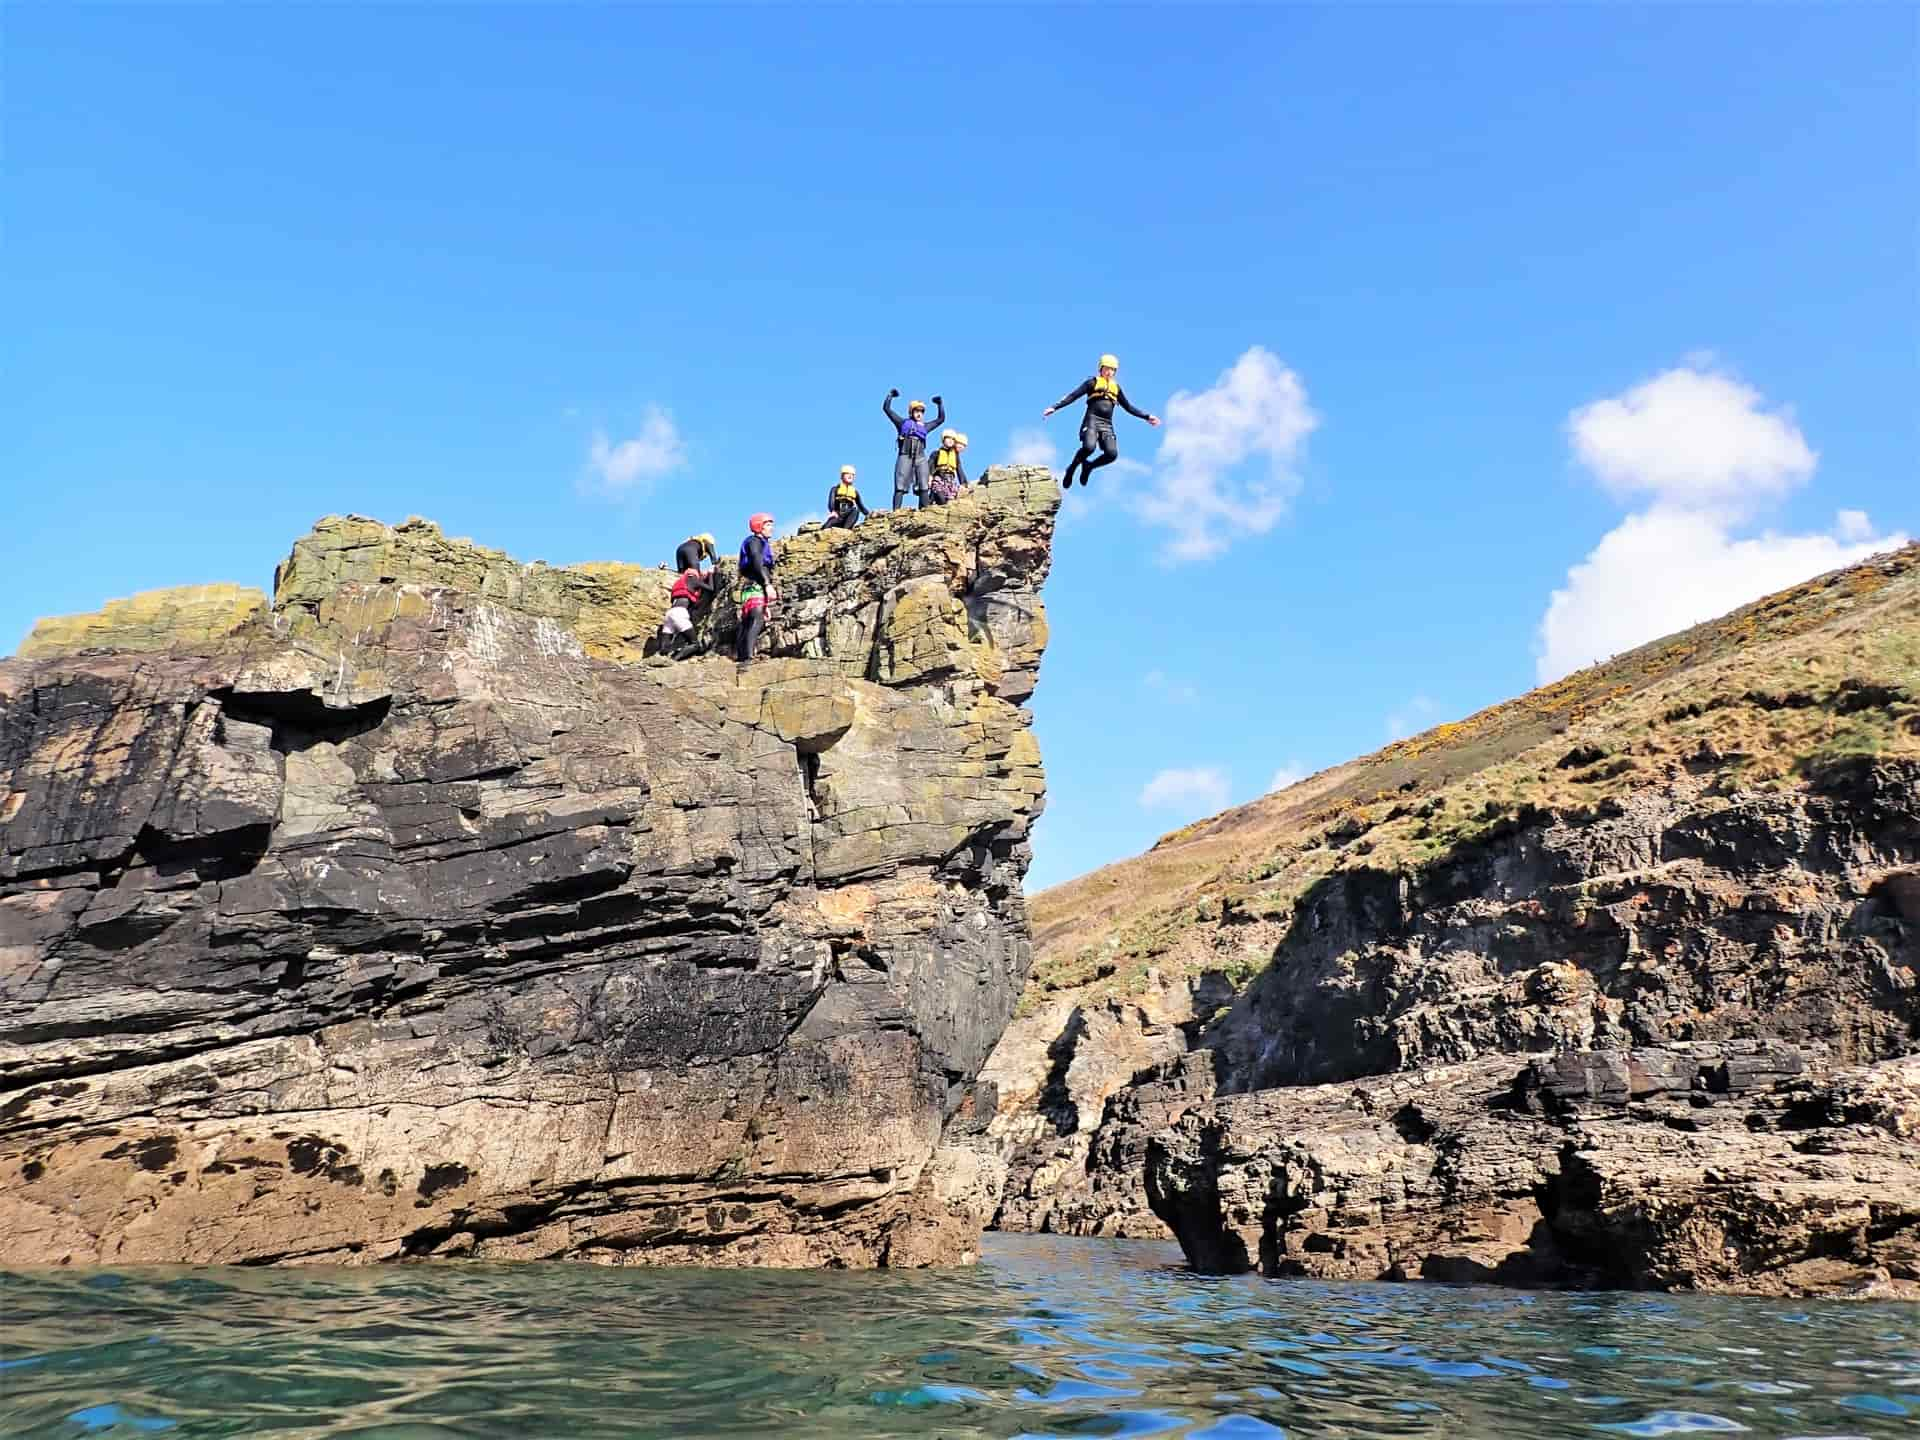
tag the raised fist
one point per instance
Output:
(938, 401)
(893, 394)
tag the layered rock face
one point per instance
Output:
(1741, 1166)
(1617, 984)
(416, 914)
(1054, 1072)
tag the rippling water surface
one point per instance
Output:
(1046, 1337)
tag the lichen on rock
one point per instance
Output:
(421, 915)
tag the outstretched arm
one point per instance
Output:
(886, 407)
(1133, 410)
(960, 470)
(864, 511)
(1083, 388)
(941, 418)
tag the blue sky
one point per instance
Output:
(1463, 305)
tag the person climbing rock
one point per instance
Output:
(693, 550)
(946, 476)
(1103, 392)
(845, 508)
(691, 590)
(757, 590)
(910, 467)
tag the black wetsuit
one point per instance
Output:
(689, 555)
(1096, 429)
(910, 468)
(844, 513)
(755, 570)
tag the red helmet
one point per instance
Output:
(760, 522)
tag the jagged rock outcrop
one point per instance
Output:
(1054, 1072)
(1678, 912)
(1747, 1166)
(416, 914)
(1712, 841)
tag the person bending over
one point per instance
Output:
(691, 590)
(693, 550)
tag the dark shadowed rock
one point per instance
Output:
(1809, 1185)
(420, 915)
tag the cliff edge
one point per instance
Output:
(412, 912)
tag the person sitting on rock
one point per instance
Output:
(910, 466)
(693, 550)
(1103, 392)
(845, 508)
(691, 590)
(946, 476)
(757, 590)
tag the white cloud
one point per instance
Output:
(1416, 714)
(1030, 445)
(1669, 568)
(1200, 790)
(657, 450)
(1691, 437)
(1257, 409)
(1706, 456)
(1285, 777)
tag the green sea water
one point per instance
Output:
(1047, 1337)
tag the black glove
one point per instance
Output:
(938, 401)
(893, 394)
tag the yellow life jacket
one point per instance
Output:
(946, 458)
(845, 490)
(1104, 389)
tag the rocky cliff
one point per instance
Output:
(414, 912)
(1711, 842)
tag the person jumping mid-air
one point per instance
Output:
(845, 508)
(1103, 392)
(757, 589)
(910, 469)
(947, 477)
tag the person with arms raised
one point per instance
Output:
(910, 434)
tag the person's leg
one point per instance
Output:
(902, 478)
(1109, 452)
(920, 478)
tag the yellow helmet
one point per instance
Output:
(959, 439)
(946, 435)
(913, 405)
(846, 470)
(1109, 362)
(708, 541)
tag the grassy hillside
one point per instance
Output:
(1765, 697)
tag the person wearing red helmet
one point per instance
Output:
(757, 590)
